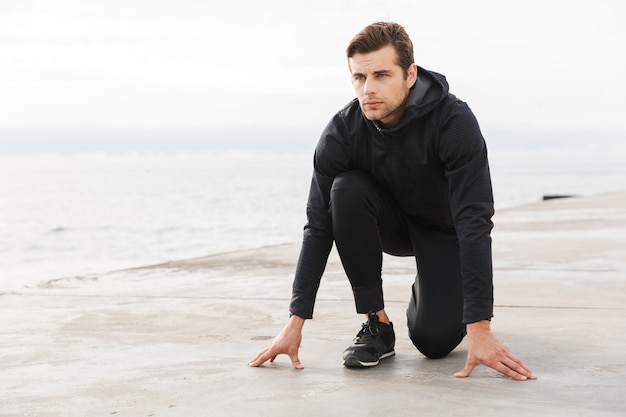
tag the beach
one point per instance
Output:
(173, 339)
(76, 214)
(159, 162)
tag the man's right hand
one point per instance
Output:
(287, 342)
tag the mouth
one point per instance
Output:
(372, 104)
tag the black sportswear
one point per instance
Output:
(375, 341)
(434, 165)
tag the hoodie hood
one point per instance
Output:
(429, 90)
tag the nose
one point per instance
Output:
(369, 86)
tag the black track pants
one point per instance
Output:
(367, 222)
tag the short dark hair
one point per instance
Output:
(380, 34)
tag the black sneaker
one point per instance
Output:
(374, 342)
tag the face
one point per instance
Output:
(380, 85)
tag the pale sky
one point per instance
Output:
(536, 64)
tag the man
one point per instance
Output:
(401, 169)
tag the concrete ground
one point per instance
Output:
(174, 339)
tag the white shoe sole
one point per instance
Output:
(352, 362)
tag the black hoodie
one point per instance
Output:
(433, 163)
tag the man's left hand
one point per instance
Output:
(485, 349)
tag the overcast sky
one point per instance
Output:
(191, 64)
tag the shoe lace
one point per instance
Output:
(369, 329)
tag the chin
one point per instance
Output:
(371, 117)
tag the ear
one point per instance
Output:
(411, 75)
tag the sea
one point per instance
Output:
(70, 214)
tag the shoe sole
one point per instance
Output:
(352, 362)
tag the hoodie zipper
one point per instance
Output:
(381, 131)
(392, 147)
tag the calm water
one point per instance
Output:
(78, 214)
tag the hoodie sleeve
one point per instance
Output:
(463, 152)
(331, 158)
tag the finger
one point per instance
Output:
(465, 372)
(296, 362)
(256, 362)
(504, 369)
(518, 366)
(256, 357)
(261, 358)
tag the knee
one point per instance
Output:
(434, 344)
(349, 191)
(352, 180)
